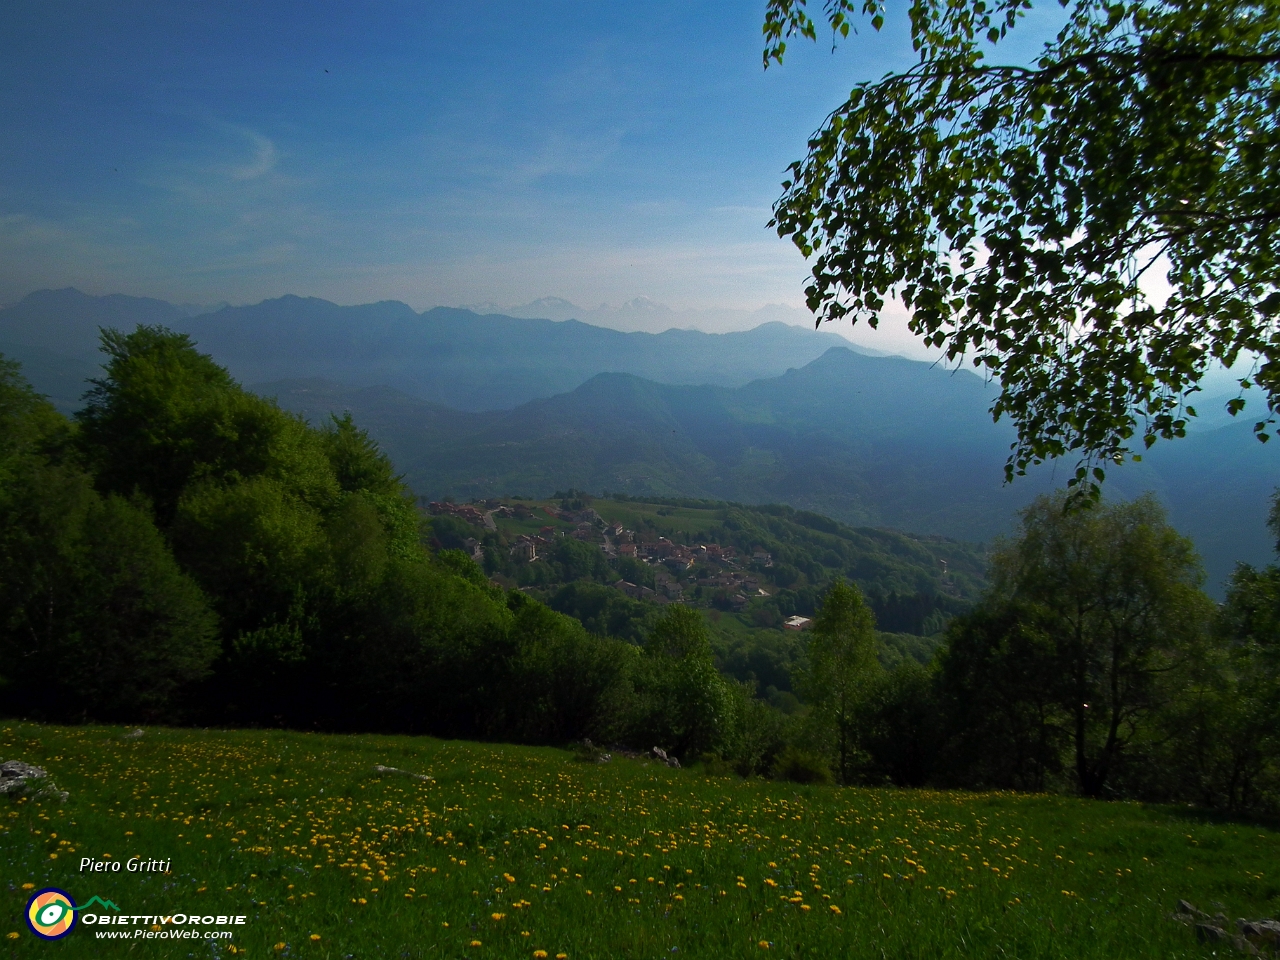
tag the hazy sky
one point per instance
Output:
(426, 152)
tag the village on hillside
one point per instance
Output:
(508, 536)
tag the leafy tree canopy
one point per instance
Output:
(165, 416)
(96, 617)
(842, 666)
(1108, 610)
(1016, 209)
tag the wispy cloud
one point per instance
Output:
(263, 160)
(560, 154)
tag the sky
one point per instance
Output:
(439, 154)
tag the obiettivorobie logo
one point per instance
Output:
(51, 913)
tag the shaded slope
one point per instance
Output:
(869, 441)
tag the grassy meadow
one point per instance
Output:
(523, 852)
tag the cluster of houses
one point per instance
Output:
(665, 589)
(720, 562)
(677, 555)
(464, 511)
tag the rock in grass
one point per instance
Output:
(1208, 933)
(379, 768)
(660, 754)
(16, 775)
(1252, 937)
(1260, 933)
(18, 778)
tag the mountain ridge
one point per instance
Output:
(501, 405)
(879, 442)
(444, 355)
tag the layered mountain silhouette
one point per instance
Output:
(869, 441)
(471, 405)
(445, 355)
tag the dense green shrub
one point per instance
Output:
(682, 704)
(801, 766)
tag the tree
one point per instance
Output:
(999, 688)
(1016, 209)
(903, 725)
(1243, 732)
(841, 670)
(166, 417)
(683, 702)
(1117, 610)
(96, 619)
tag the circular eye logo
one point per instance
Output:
(51, 913)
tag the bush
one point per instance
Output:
(682, 703)
(756, 732)
(714, 765)
(800, 766)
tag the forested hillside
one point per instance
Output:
(185, 550)
(747, 569)
(870, 441)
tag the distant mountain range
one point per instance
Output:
(471, 404)
(449, 356)
(649, 315)
(869, 441)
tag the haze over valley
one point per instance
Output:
(471, 405)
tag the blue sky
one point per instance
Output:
(431, 153)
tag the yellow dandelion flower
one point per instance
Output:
(28, 886)
(12, 936)
(835, 910)
(315, 936)
(497, 916)
(475, 943)
(539, 954)
(279, 947)
(764, 944)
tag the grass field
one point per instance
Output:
(682, 522)
(522, 852)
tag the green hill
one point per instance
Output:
(869, 441)
(333, 846)
(914, 585)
